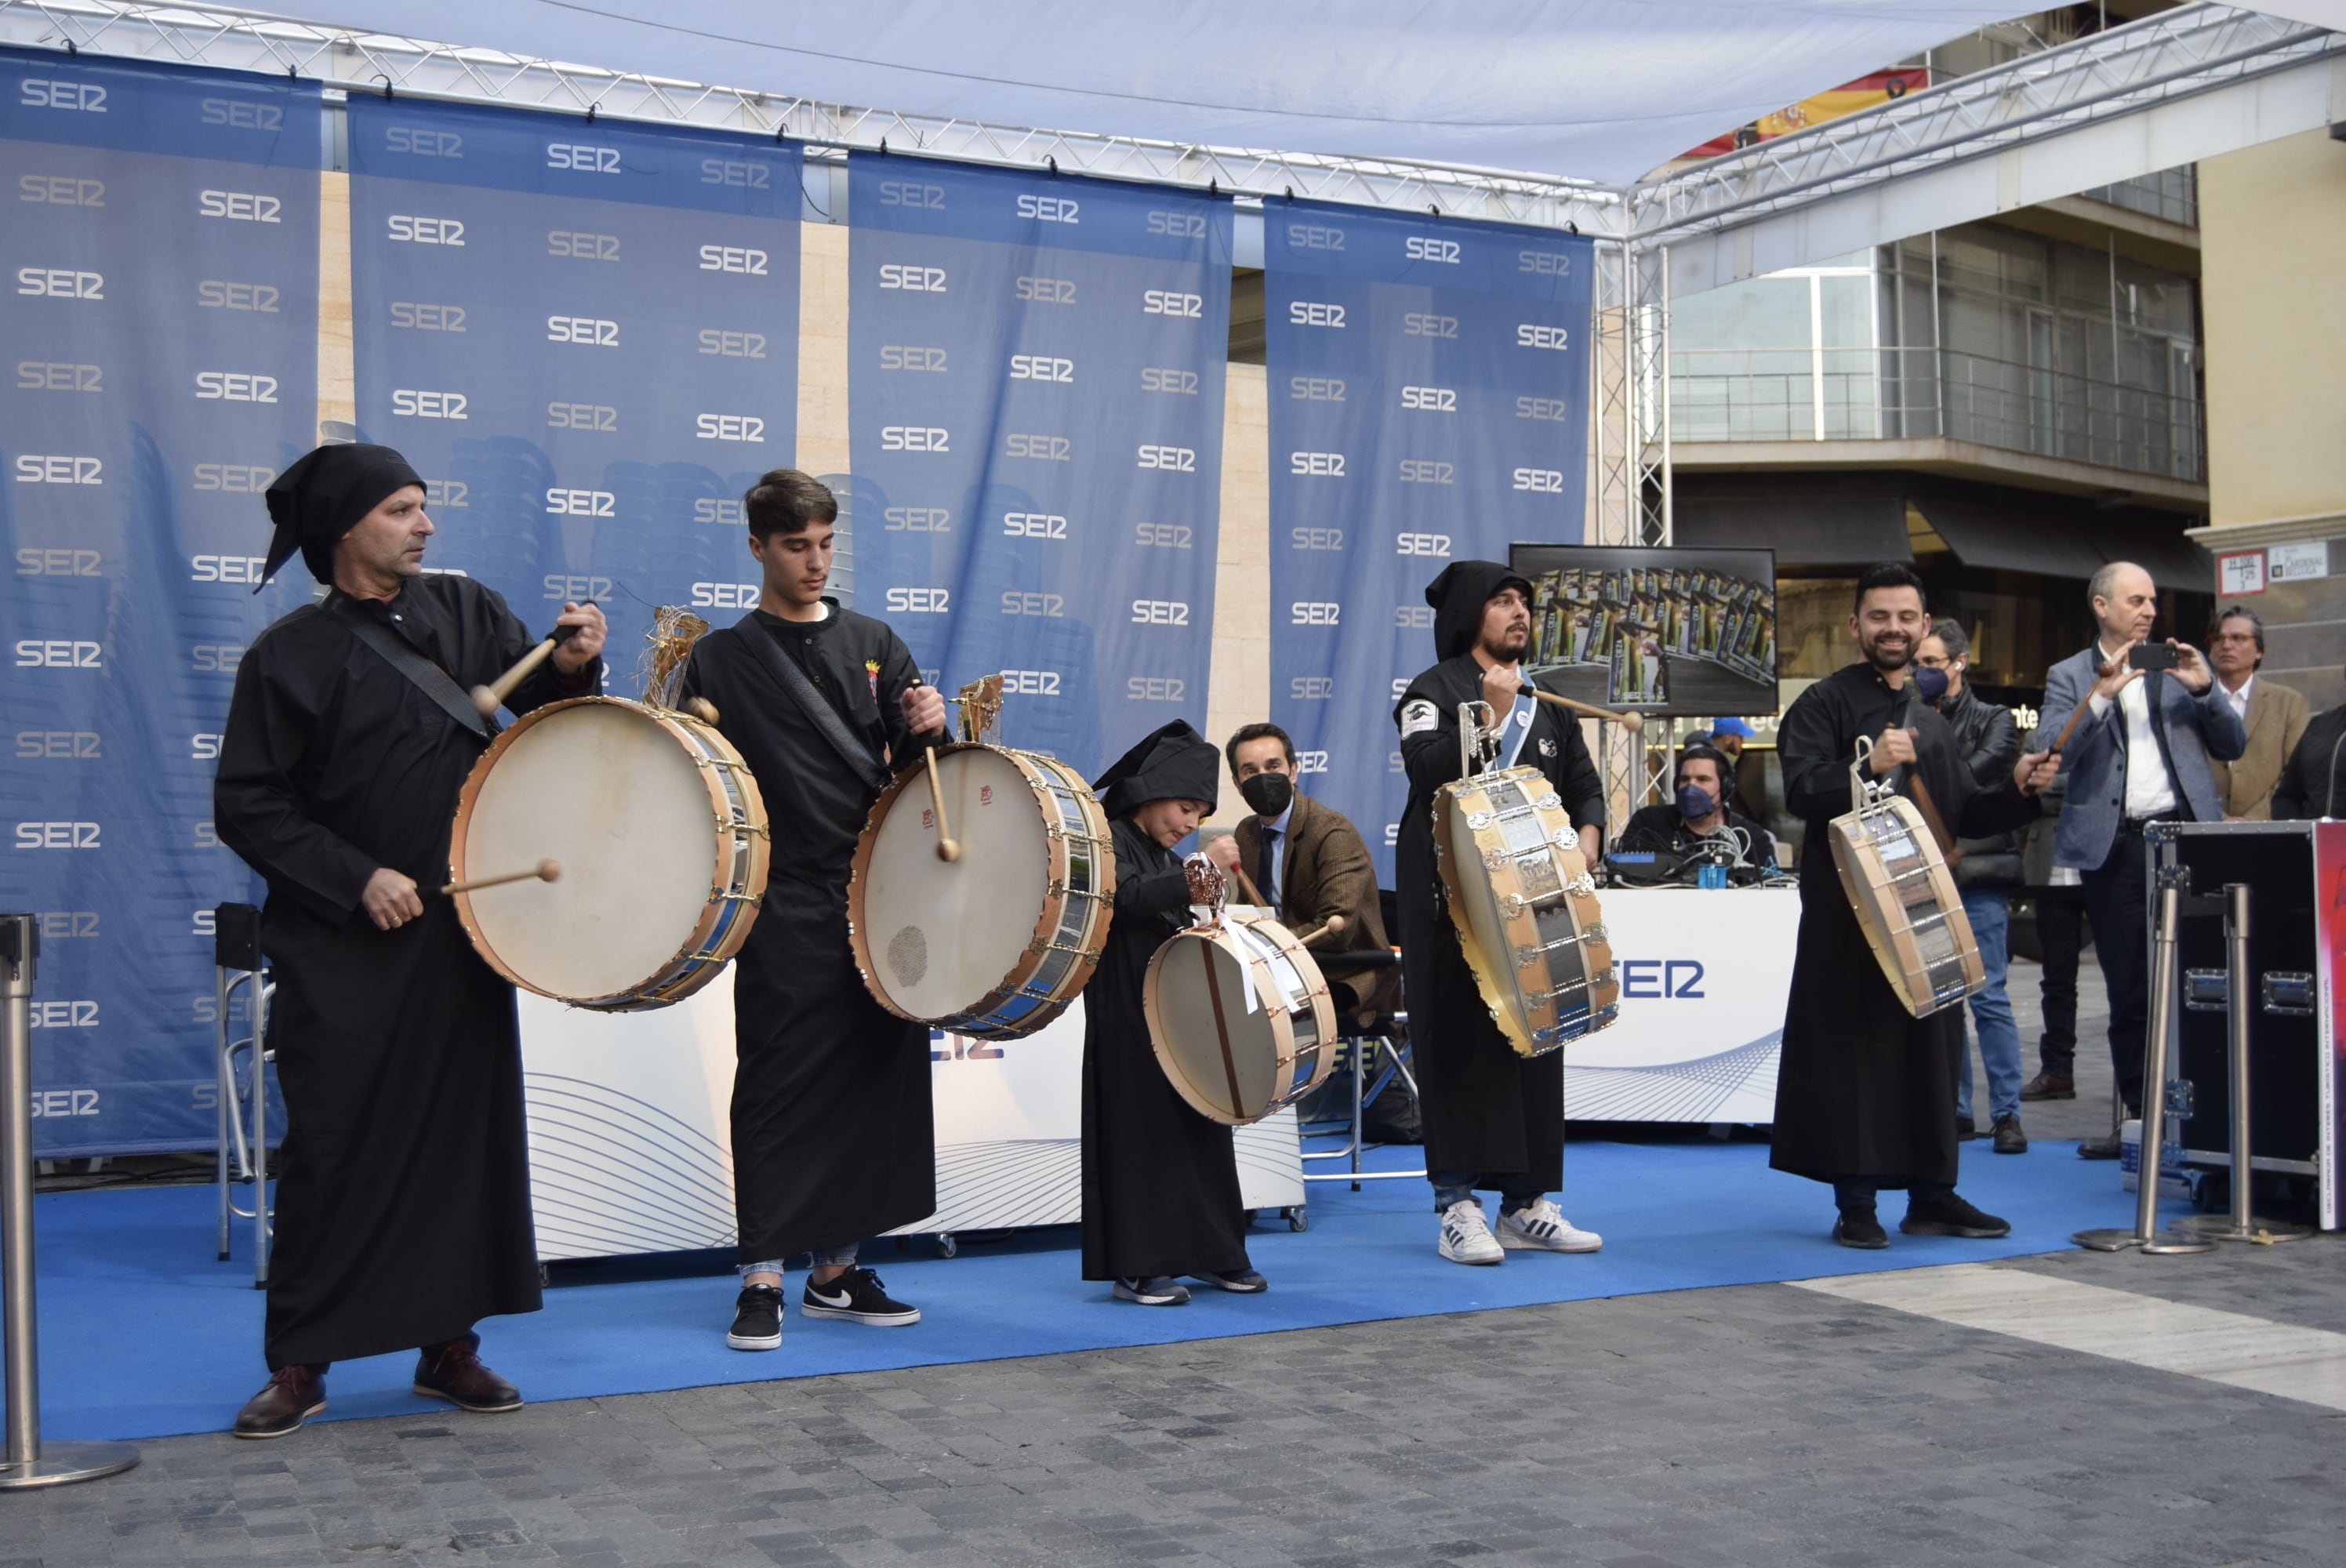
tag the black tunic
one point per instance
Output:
(402, 1206)
(1160, 1181)
(1865, 1091)
(1487, 1110)
(834, 1136)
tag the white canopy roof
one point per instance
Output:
(1592, 89)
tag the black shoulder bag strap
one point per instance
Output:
(426, 676)
(812, 703)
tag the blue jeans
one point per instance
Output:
(1999, 1037)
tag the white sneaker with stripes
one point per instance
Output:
(1541, 1228)
(1466, 1236)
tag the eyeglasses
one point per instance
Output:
(1933, 661)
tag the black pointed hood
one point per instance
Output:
(1458, 595)
(1175, 763)
(323, 496)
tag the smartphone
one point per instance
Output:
(2152, 655)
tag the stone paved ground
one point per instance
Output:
(1753, 1426)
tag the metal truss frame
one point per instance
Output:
(1631, 443)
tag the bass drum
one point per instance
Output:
(1898, 885)
(1240, 1018)
(661, 835)
(1526, 908)
(995, 944)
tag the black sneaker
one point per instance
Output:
(1242, 1281)
(757, 1319)
(1860, 1229)
(2099, 1148)
(1160, 1291)
(2010, 1139)
(856, 1297)
(1950, 1215)
(1966, 1129)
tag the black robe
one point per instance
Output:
(1160, 1181)
(834, 1136)
(1487, 1110)
(1864, 1090)
(403, 1202)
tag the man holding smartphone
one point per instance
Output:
(2139, 753)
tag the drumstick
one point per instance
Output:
(946, 849)
(487, 698)
(2100, 670)
(1247, 885)
(544, 872)
(1632, 722)
(701, 708)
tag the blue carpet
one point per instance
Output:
(143, 1335)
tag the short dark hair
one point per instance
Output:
(1700, 753)
(1889, 574)
(785, 501)
(2237, 612)
(1952, 637)
(1256, 732)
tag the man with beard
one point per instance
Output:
(402, 1206)
(1494, 1119)
(834, 1139)
(1864, 1090)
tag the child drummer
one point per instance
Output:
(1160, 1181)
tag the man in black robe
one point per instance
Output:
(1160, 1181)
(1494, 1119)
(1864, 1090)
(833, 1138)
(403, 1202)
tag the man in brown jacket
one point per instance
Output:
(1309, 861)
(2275, 715)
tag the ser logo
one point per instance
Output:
(1659, 979)
(448, 492)
(1046, 448)
(1316, 464)
(1312, 313)
(1315, 389)
(1172, 302)
(734, 172)
(1551, 408)
(41, 375)
(577, 589)
(50, 1104)
(60, 283)
(417, 142)
(234, 478)
(1049, 209)
(912, 280)
(64, 1014)
(1532, 335)
(1159, 613)
(217, 658)
(68, 925)
(1316, 538)
(742, 427)
(1430, 400)
(1031, 682)
(920, 601)
(56, 745)
(1172, 459)
(581, 503)
(1310, 762)
(746, 261)
(1182, 224)
(595, 416)
(725, 596)
(1313, 612)
(219, 294)
(1419, 248)
(1415, 324)
(1156, 380)
(224, 568)
(1042, 291)
(205, 748)
(580, 159)
(409, 229)
(242, 206)
(1053, 605)
(234, 386)
(1163, 535)
(590, 331)
(425, 317)
(1155, 688)
(59, 469)
(1034, 525)
(733, 345)
(708, 509)
(58, 653)
(917, 520)
(1542, 481)
(581, 246)
(86, 97)
(914, 438)
(1041, 367)
(54, 562)
(1435, 544)
(910, 357)
(1544, 263)
(1413, 617)
(419, 404)
(1309, 236)
(911, 193)
(1424, 471)
(61, 190)
(1312, 687)
(57, 836)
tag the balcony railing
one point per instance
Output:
(1862, 395)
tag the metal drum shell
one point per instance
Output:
(1866, 876)
(1522, 993)
(982, 1018)
(1281, 1006)
(741, 851)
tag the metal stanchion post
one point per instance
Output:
(2240, 1225)
(2146, 1235)
(30, 1462)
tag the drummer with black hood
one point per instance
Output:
(1160, 1182)
(402, 1201)
(1494, 1119)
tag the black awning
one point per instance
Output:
(2011, 534)
(1808, 519)
(2177, 564)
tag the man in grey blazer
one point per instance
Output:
(2140, 754)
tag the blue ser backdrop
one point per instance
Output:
(1429, 403)
(586, 337)
(1035, 391)
(161, 315)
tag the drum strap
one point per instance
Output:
(818, 710)
(426, 676)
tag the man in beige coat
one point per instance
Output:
(2275, 715)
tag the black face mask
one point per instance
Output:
(1269, 793)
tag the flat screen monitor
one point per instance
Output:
(1663, 631)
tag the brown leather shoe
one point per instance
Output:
(454, 1372)
(2047, 1086)
(291, 1396)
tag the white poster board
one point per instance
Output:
(630, 1153)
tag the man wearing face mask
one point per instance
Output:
(1493, 1120)
(1697, 812)
(1310, 863)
